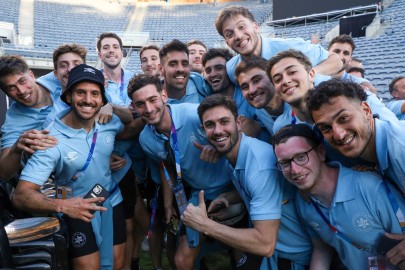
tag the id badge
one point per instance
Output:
(379, 263)
(64, 192)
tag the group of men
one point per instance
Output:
(281, 128)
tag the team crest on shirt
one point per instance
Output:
(314, 225)
(108, 139)
(362, 222)
(71, 156)
(162, 154)
(78, 239)
(192, 137)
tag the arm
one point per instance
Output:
(131, 130)
(403, 107)
(321, 255)
(28, 197)
(28, 142)
(396, 255)
(259, 240)
(105, 114)
(369, 86)
(329, 66)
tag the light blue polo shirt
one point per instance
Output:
(390, 148)
(271, 46)
(360, 209)
(20, 118)
(269, 120)
(118, 94)
(70, 155)
(197, 89)
(58, 106)
(50, 82)
(395, 106)
(200, 175)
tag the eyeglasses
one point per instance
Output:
(299, 159)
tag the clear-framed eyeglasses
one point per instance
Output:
(299, 159)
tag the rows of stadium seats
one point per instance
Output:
(305, 31)
(10, 10)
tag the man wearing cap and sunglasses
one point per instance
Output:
(341, 208)
(80, 163)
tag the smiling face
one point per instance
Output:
(305, 177)
(222, 129)
(399, 90)
(175, 70)
(85, 100)
(64, 64)
(344, 50)
(110, 52)
(215, 72)
(256, 87)
(22, 88)
(346, 125)
(196, 53)
(150, 104)
(291, 80)
(242, 35)
(150, 62)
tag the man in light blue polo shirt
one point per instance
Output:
(346, 209)
(292, 74)
(79, 161)
(177, 128)
(241, 32)
(346, 121)
(397, 91)
(251, 164)
(181, 85)
(22, 130)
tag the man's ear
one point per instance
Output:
(69, 97)
(321, 151)
(395, 94)
(164, 96)
(239, 120)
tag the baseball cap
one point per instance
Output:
(84, 73)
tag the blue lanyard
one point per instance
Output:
(339, 233)
(176, 151)
(89, 156)
(293, 118)
(122, 82)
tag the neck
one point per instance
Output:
(275, 107)
(229, 91)
(113, 74)
(175, 93)
(302, 113)
(339, 74)
(232, 156)
(369, 153)
(325, 189)
(165, 125)
(44, 97)
(74, 122)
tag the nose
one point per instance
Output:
(218, 129)
(294, 168)
(252, 89)
(338, 132)
(147, 107)
(286, 80)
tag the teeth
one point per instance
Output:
(300, 177)
(220, 139)
(347, 141)
(179, 77)
(243, 43)
(289, 89)
(216, 80)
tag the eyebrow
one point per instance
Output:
(333, 116)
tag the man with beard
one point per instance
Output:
(214, 62)
(346, 121)
(196, 49)
(150, 61)
(344, 46)
(22, 130)
(341, 208)
(169, 139)
(241, 33)
(292, 75)
(180, 84)
(80, 161)
(251, 164)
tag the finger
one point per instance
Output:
(94, 200)
(201, 199)
(198, 146)
(395, 236)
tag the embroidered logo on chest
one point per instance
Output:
(362, 222)
(71, 156)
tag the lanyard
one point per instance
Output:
(122, 82)
(293, 118)
(337, 232)
(176, 151)
(153, 215)
(79, 172)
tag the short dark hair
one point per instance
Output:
(229, 12)
(356, 69)
(343, 39)
(292, 130)
(301, 58)
(141, 80)
(196, 41)
(173, 46)
(148, 47)
(327, 90)
(108, 35)
(11, 65)
(392, 86)
(217, 52)
(75, 48)
(216, 100)
(249, 64)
